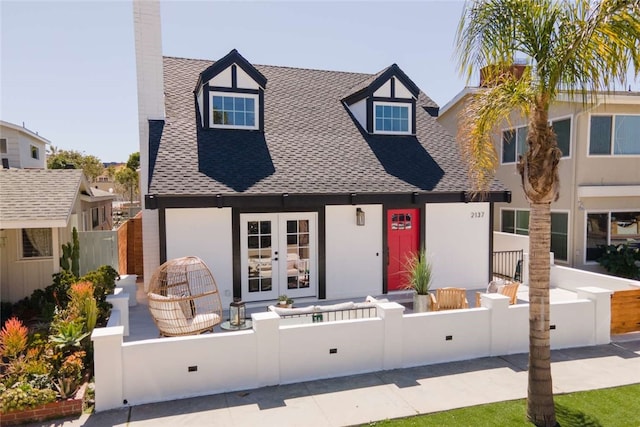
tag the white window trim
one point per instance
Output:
(514, 210)
(393, 104)
(584, 234)
(36, 149)
(21, 256)
(516, 141)
(562, 211)
(256, 107)
(613, 134)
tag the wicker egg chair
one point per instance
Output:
(183, 298)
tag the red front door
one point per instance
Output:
(403, 238)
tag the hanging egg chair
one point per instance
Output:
(183, 298)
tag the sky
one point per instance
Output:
(67, 69)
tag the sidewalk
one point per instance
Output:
(388, 394)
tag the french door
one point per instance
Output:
(278, 255)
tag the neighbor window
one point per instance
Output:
(514, 144)
(236, 112)
(35, 152)
(562, 129)
(3, 146)
(36, 243)
(616, 135)
(611, 228)
(391, 118)
(95, 220)
(514, 141)
(516, 221)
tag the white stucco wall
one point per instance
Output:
(353, 253)
(457, 243)
(210, 240)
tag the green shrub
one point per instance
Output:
(22, 396)
(621, 260)
(104, 283)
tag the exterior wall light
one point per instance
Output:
(359, 216)
(237, 313)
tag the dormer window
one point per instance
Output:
(233, 111)
(392, 118)
(385, 105)
(230, 95)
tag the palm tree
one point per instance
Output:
(577, 47)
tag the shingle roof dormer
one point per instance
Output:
(230, 94)
(385, 103)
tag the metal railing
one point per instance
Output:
(335, 315)
(508, 264)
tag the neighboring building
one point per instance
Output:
(38, 209)
(310, 183)
(38, 212)
(97, 209)
(21, 148)
(599, 174)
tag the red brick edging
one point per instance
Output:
(58, 409)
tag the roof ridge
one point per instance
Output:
(277, 66)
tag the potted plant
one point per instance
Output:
(418, 275)
(285, 301)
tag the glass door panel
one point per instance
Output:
(278, 255)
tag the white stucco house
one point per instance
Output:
(310, 183)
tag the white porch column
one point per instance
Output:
(267, 325)
(602, 301)
(498, 306)
(120, 301)
(391, 313)
(107, 365)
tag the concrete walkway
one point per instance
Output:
(389, 394)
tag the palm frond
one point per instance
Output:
(486, 109)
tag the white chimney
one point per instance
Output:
(148, 39)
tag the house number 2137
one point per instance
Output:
(477, 214)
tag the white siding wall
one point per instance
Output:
(353, 253)
(244, 81)
(201, 107)
(205, 233)
(384, 91)
(402, 91)
(457, 242)
(26, 162)
(359, 111)
(223, 79)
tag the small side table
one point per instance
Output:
(226, 326)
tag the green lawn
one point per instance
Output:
(616, 407)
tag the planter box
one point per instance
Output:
(58, 409)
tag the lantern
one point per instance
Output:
(237, 312)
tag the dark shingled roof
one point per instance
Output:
(311, 144)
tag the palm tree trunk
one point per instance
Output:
(540, 409)
(539, 170)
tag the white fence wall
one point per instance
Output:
(270, 353)
(572, 279)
